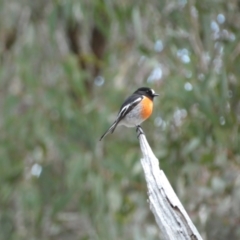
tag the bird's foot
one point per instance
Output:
(139, 130)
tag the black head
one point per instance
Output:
(148, 92)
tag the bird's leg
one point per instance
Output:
(139, 130)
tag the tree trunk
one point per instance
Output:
(169, 213)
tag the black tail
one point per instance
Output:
(111, 129)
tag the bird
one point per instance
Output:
(134, 110)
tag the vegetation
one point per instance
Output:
(66, 67)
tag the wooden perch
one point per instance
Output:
(169, 213)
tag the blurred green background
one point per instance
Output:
(66, 67)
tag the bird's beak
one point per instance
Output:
(155, 94)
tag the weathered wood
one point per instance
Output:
(169, 213)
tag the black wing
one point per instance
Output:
(129, 104)
(126, 107)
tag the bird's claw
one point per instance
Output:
(139, 131)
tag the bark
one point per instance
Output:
(169, 213)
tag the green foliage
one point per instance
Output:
(66, 67)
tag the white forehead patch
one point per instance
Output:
(153, 92)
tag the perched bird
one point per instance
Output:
(136, 109)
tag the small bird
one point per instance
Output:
(135, 109)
